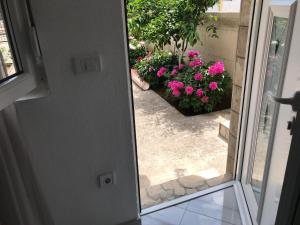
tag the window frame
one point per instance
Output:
(25, 50)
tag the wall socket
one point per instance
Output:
(106, 179)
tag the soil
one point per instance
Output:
(225, 103)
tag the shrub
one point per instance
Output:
(151, 68)
(163, 21)
(137, 51)
(198, 87)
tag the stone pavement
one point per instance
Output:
(177, 155)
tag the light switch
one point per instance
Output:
(87, 64)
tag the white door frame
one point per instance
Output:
(254, 44)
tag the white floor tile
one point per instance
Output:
(191, 218)
(215, 211)
(169, 216)
(219, 208)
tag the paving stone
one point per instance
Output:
(219, 180)
(154, 192)
(202, 187)
(190, 191)
(175, 186)
(145, 200)
(192, 181)
(166, 195)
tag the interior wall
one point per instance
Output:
(84, 127)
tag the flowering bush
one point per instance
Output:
(197, 86)
(137, 51)
(154, 67)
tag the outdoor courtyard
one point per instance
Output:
(177, 154)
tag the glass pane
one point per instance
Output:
(271, 85)
(7, 62)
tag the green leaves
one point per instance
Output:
(162, 22)
(149, 66)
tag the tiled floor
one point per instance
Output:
(219, 208)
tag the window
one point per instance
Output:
(21, 67)
(8, 63)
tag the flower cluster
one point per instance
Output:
(216, 68)
(196, 62)
(198, 86)
(161, 71)
(175, 86)
(193, 54)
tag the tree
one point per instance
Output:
(162, 22)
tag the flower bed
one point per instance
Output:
(194, 87)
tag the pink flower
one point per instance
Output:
(189, 90)
(174, 71)
(193, 53)
(198, 76)
(176, 92)
(196, 62)
(175, 84)
(139, 58)
(161, 71)
(204, 99)
(181, 66)
(213, 85)
(199, 92)
(216, 68)
(150, 69)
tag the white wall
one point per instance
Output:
(83, 128)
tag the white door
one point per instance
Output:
(267, 143)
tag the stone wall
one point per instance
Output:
(237, 82)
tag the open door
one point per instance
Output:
(268, 141)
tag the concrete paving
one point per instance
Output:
(177, 155)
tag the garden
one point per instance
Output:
(181, 76)
(180, 98)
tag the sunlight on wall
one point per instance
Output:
(226, 6)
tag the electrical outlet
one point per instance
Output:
(106, 179)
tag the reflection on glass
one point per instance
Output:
(271, 85)
(7, 63)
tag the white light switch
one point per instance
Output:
(87, 64)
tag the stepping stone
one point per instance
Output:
(192, 181)
(174, 186)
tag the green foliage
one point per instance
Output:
(137, 51)
(149, 66)
(163, 21)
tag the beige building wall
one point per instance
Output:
(223, 47)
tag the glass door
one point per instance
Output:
(267, 139)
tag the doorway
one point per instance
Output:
(182, 91)
(270, 73)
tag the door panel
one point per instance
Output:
(267, 140)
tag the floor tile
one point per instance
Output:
(183, 205)
(215, 211)
(219, 208)
(191, 218)
(169, 216)
(224, 198)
